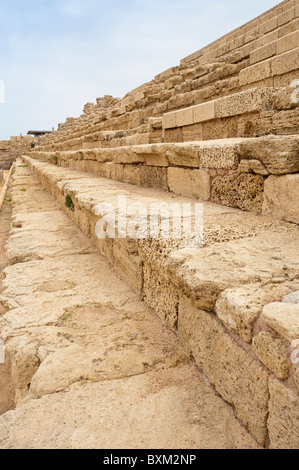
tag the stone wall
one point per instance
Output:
(13, 148)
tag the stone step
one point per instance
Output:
(242, 173)
(75, 330)
(228, 286)
(250, 113)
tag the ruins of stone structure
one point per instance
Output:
(222, 128)
(11, 149)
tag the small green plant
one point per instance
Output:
(55, 159)
(23, 189)
(69, 203)
(22, 166)
(66, 317)
(141, 263)
(32, 145)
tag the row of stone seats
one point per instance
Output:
(255, 174)
(231, 301)
(184, 86)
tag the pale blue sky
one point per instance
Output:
(57, 55)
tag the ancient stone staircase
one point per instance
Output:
(220, 129)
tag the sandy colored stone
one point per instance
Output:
(241, 190)
(184, 117)
(255, 73)
(281, 197)
(283, 98)
(273, 353)
(169, 120)
(208, 271)
(253, 166)
(204, 112)
(264, 52)
(239, 308)
(103, 415)
(256, 99)
(279, 154)
(283, 318)
(288, 42)
(221, 154)
(189, 183)
(285, 62)
(283, 416)
(236, 376)
(161, 295)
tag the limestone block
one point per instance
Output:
(279, 154)
(169, 120)
(265, 52)
(204, 112)
(255, 73)
(253, 166)
(281, 197)
(283, 98)
(222, 128)
(273, 353)
(184, 117)
(240, 190)
(153, 177)
(288, 42)
(285, 62)
(186, 154)
(236, 375)
(189, 183)
(256, 99)
(283, 421)
(268, 26)
(287, 16)
(238, 308)
(283, 318)
(219, 155)
(160, 294)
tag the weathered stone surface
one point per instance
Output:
(286, 62)
(256, 99)
(237, 377)
(241, 190)
(102, 416)
(281, 197)
(264, 52)
(222, 154)
(239, 308)
(283, 98)
(204, 112)
(279, 154)
(273, 353)
(283, 416)
(161, 295)
(283, 318)
(189, 183)
(210, 270)
(255, 73)
(253, 166)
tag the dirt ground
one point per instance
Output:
(6, 388)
